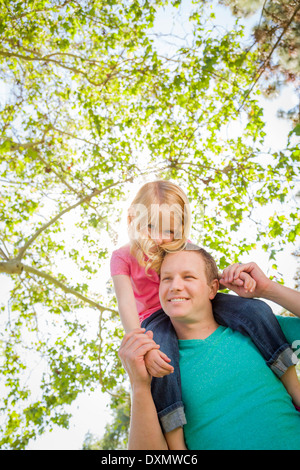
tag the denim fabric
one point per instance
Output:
(251, 317)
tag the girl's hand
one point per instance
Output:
(157, 363)
(239, 281)
(233, 273)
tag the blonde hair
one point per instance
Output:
(149, 206)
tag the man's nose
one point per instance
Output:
(176, 284)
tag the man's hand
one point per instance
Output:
(234, 278)
(134, 347)
(157, 363)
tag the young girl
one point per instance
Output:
(159, 220)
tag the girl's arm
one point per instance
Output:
(126, 302)
(157, 361)
(284, 296)
(265, 288)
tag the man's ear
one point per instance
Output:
(214, 289)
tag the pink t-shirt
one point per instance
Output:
(145, 288)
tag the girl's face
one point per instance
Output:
(160, 237)
(159, 223)
(163, 229)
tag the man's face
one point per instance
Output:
(184, 291)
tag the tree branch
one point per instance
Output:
(52, 221)
(16, 267)
(263, 66)
(3, 255)
(83, 200)
(56, 173)
(66, 289)
(16, 146)
(6, 54)
(23, 146)
(39, 10)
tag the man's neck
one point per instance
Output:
(201, 329)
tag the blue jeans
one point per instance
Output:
(251, 317)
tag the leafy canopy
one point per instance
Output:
(95, 100)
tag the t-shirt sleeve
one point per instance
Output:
(119, 264)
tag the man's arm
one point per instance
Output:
(265, 288)
(145, 431)
(284, 296)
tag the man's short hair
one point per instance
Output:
(211, 269)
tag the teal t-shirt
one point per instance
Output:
(233, 401)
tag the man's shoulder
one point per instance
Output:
(288, 319)
(290, 326)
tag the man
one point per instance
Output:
(232, 399)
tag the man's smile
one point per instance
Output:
(178, 299)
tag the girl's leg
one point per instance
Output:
(166, 391)
(255, 319)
